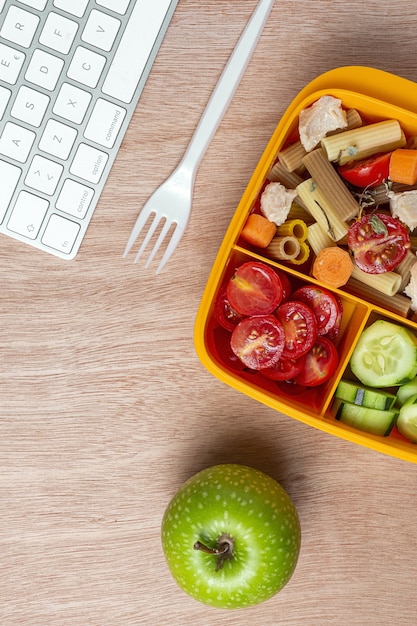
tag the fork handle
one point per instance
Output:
(226, 87)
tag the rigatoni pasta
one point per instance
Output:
(359, 143)
(331, 186)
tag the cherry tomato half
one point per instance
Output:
(379, 243)
(258, 341)
(254, 289)
(300, 327)
(285, 369)
(226, 316)
(323, 304)
(367, 173)
(320, 364)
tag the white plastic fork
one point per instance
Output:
(170, 204)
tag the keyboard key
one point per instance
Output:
(86, 66)
(72, 103)
(75, 7)
(43, 175)
(74, 198)
(60, 233)
(30, 106)
(35, 4)
(16, 142)
(100, 30)
(44, 69)
(57, 139)
(104, 123)
(4, 99)
(133, 52)
(58, 33)
(11, 62)
(9, 177)
(19, 26)
(118, 6)
(28, 215)
(88, 163)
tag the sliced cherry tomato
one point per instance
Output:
(285, 369)
(254, 289)
(323, 304)
(286, 286)
(226, 316)
(333, 333)
(320, 364)
(300, 327)
(379, 243)
(367, 173)
(258, 341)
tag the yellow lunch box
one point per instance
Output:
(377, 95)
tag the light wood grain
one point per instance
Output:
(105, 408)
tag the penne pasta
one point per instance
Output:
(322, 211)
(359, 143)
(387, 283)
(338, 197)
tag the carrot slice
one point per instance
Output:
(333, 266)
(403, 166)
(258, 230)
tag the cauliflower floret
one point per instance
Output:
(325, 115)
(411, 288)
(404, 206)
(276, 202)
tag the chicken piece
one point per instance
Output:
(322, 117)
(404, 206)
(276, 202)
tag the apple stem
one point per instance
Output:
(223, 551)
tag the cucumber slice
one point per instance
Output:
(372, 421)
(407, 419)
(365, 396)
(385, 355)
(406, 391)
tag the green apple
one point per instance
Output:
(231, 536)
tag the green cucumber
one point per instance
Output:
(406, 391)
(374, 421)
(407, 419)
(385, 355)
(365, 396)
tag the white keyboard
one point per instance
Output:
(71, 73)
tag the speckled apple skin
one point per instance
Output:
(256, 512)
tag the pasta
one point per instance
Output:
(324, 213)
(292, 156)
(336, 194)
(360, 143)
(397, 303)
(283, 248)
(318, 239)
(279, 174)
(293, 228)
(404, 269)
(387, 283)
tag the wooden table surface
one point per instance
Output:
(105, 409)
